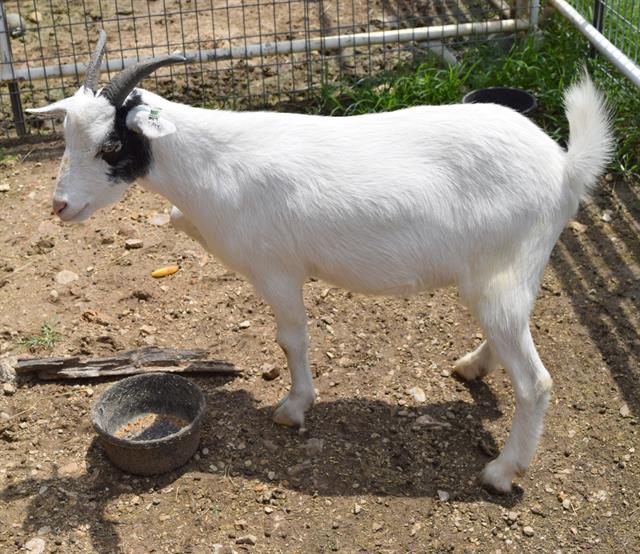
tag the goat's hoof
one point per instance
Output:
(470, 367)
(289, 413)
(496, 478)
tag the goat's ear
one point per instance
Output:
(149, 122)
(57, 109)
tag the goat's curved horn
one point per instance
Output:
(124, 82)
(93, 68)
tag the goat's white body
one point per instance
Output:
(471, 195)
(386, 203)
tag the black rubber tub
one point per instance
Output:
(515, 98)
(150, 423)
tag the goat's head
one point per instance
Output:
(107, 134)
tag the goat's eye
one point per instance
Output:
(111, 147)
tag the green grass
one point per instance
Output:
(46, 340)
(7, 160)
(544, 64)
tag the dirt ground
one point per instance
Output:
(371, 473)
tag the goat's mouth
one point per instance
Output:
(78, 216)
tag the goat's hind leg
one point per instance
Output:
(504, 316)
(478, 363)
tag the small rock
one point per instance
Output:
(247, 539)
(136, 500)
(427, 420)
(244, 324)
(205, 451)
(443, 496)
(35, 546)
(314, 447)
(418, 394)
(9, 389)
(7, 369)
(270, 372)
(528, 531)
(566, 504)
(240, 524)
(357, 509)
(69, 470)
(159, 219)
(608, 177)
(89, 392)
(4, 187)
(16, 25)
(377, 527)
(133, 244)
(147, 330)
(54, 296)
(65, 277)
(271, 446)
(271, 475)
(624, 411)
(445, 373)
(44, 530)
(415, 528)
(537, 510)
(607, 216)
(47, 227)
(268, 510)
(35, 17)
(96, 317)
(577, 226)
(512, 517)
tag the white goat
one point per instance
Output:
(393, 203)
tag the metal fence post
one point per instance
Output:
(598, 18)
(7, 75)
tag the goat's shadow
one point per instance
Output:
(369, 447)
(605, 294)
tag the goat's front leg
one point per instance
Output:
(180, 222)
(285, 299)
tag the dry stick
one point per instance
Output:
(142, 360)
(213, 367)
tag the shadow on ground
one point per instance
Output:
(370, 447)
(595, 269)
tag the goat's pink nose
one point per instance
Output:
(58, 206)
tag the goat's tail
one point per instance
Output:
(591, 141)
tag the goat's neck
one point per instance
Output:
(187, 164)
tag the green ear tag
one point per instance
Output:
(154, 114)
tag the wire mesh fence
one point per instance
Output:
(241, 53)
(617, 20)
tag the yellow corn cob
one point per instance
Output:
(164, 271)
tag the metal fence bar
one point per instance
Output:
(613, 54)
(241, 53)
(280, 48)
(7, 74)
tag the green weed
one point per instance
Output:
(46, 340)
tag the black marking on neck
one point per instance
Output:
(133, 159)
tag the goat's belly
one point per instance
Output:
(385, 282)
